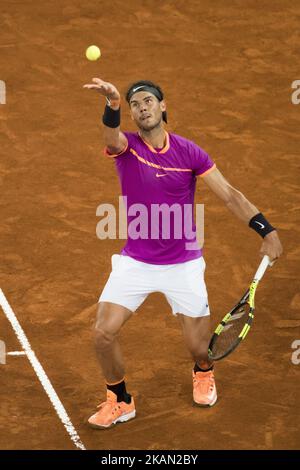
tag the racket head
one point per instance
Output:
(231, 330)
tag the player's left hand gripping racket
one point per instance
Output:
(236, 324)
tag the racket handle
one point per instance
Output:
(262, 267)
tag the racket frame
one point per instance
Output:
(247, 298)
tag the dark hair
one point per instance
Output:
(159, 93)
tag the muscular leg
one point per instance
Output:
(119, 406)
(110, 319)
(196, 333)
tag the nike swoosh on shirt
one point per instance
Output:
(161, 174)
(259, 223)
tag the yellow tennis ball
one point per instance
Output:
(93, 53)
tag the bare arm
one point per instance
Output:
(114, 139)
(234, 199)
(242, 208)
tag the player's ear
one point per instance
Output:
(163, 105)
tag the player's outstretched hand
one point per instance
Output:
(104, 88)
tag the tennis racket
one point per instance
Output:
(236, 324)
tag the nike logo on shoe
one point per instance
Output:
(161, 174)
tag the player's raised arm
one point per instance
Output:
(246, 211)
(115, 140)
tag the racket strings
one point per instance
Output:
(231, 331)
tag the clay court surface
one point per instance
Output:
(226, 68)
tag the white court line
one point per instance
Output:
(16, 353)
(41, 374)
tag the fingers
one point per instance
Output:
(98, 81)
(272, 254)
(90, 86)
(101, 88)
(272, 247)
(98, 84)
(105, 88)
(101, 84)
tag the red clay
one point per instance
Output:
(226, 72)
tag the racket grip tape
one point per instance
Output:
(262, 267)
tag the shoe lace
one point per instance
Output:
(205, 382)
(111, 404)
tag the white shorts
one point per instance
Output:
(183, 285)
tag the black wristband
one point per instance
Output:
(111, 117)
(261, 225)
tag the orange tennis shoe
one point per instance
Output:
(112, 412)
(204, 388)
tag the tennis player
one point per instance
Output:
(159, 169)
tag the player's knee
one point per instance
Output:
(103, 338)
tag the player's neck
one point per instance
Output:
(156, 137)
